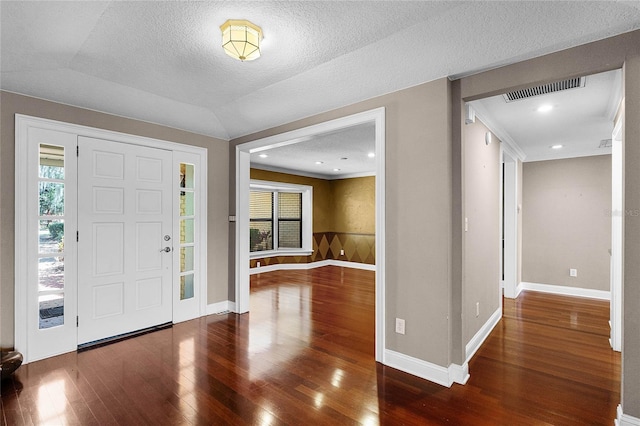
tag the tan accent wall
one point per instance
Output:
(217, 180)
(322, 195)
(346, 212)
(483, 236)
(418, 150)
(354, 205)
(566, 222)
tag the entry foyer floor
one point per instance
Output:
(304, 356)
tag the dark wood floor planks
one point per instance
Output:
(304, 355)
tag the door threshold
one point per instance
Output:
(113, 339)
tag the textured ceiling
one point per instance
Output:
(580, 119)
(343, 153)
(162, 61)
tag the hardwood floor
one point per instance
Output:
(304, 356)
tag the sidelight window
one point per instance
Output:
(51, 233)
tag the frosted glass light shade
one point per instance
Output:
(241, 39)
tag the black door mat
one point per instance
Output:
(56, 311)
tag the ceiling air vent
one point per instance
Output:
(605, 143)
(572, 83)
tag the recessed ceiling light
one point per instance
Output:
(371, 154)
(343, 158)
(545, 108)
(263, 155)
(319, 162)
(336, 170)
(556, 146)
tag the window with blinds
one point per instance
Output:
(261, 220)
(289, 220)
(275, 216)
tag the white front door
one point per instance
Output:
(125, 244)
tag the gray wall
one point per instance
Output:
(418, 213)
(592, 58)
(565, 222)
(482, 240)
(218, 188)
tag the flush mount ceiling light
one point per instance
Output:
(241, 39)
(545, 108)
(263, 156)
(556, 146)
(371, 154)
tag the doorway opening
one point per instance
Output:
(571, 202)
(243, 165)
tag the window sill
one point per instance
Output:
(281, 252)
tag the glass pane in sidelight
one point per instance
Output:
(186, 231)
(186, 203)
(50, 273)
(50, 236)
(186, 287)
(51, 198)
(186, 259)
(50, 310)
(186, 175)
(51, 161)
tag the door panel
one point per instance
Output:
(50, 278)
(124, 275)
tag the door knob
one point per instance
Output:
(166, 249)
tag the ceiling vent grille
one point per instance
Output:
(572, 83)
(605, 143)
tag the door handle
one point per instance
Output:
(166, 249)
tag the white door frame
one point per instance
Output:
(22, 125)
(243, 153)
(510, 219)
(617, 177)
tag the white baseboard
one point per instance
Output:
(565, 291)
(625, 419)
(312, 265)
(224, 306)
(426, 370)
(482, 334)
(518, 290)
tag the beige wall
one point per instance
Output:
(218, 188)
(565, 222)
(418, 213)
(483, 238)
(631, 236)
(603, 55)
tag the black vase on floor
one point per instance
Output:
(9, 363)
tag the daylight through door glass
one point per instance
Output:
(51, 212)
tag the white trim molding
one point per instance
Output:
(425, 370)
(220, 307)
(625, 419)
(312, 265)
(565, 290)
(482, 334)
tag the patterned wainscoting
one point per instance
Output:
(359, 248)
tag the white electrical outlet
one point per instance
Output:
(573, 272)
(257, 264)
(477, 309)
(341, 252)
(399, 326)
